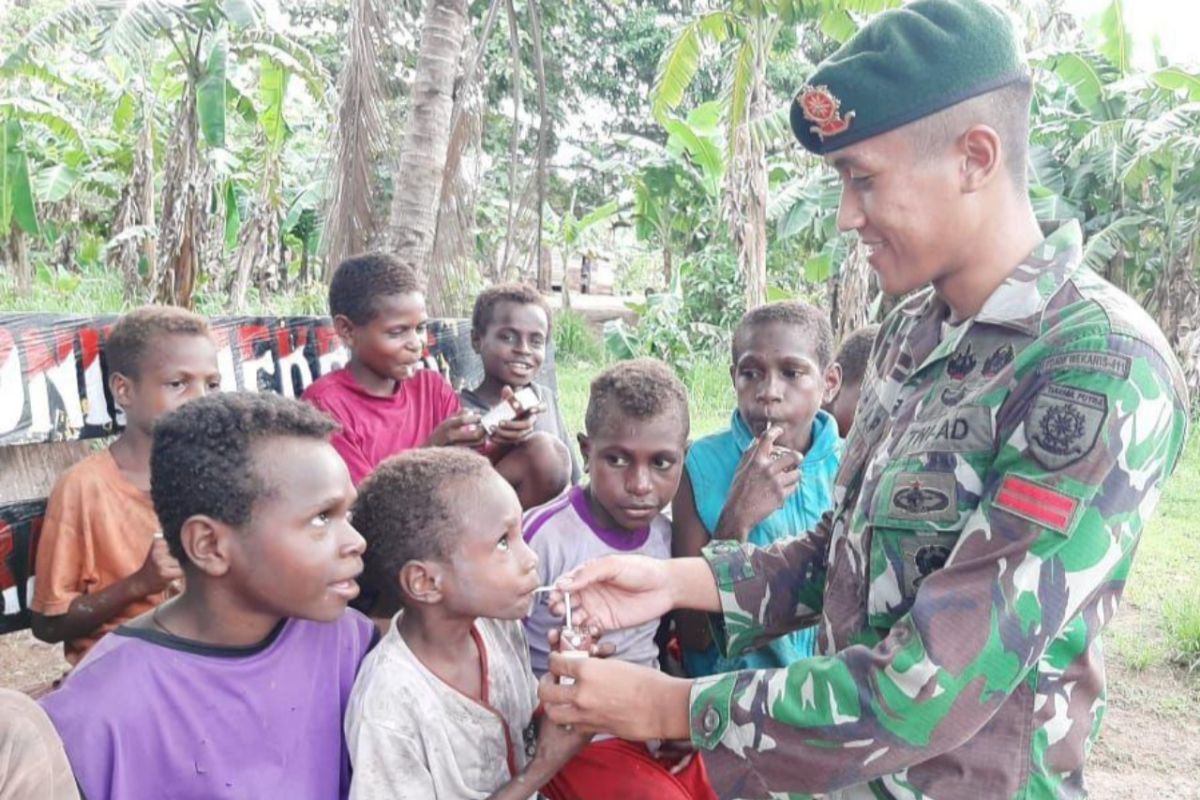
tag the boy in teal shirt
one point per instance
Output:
(783, 371)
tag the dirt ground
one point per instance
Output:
(1149, 746)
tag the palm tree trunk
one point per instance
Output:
(422, 161)
(358, 140)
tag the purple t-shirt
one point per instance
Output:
(147, 714)
(564, 534)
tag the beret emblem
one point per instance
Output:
(821, 108)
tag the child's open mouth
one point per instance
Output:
(522, 368)
(347, 589)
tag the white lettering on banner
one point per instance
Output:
(12, 386)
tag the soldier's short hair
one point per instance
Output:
(488, 299)
(408, 507)
(854, 353)
(640, 389)
(360, 281)
(1005, 110)
(812, 322)
(136, 332)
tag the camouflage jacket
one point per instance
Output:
(988, 507)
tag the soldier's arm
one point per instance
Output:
(768, 591)
(1042, 543)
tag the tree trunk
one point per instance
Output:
(422, 161)
(747, 187)
(136, 208)
(18, 260)
(539, 72)
(360, 137)
(851, 294)
(186, 192)
(667, 267)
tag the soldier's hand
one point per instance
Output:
(615, 592)
(626, 700)
(764, 480)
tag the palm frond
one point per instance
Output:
(681, 60)
(137, 25)
(53, 30)
(739, 86)
(290, 54)
(46, 112)
(1105, 243)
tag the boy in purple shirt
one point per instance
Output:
(637, 427)
(237, 687)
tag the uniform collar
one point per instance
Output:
(1017, 304)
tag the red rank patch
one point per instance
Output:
(821, 108)
(1036, 503)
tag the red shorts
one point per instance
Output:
(615, 769)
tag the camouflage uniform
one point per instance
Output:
(994, 487)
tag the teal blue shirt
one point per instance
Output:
(711, 463)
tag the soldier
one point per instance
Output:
(1019, 419)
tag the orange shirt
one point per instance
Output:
(98, 530)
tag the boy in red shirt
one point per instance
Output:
(101, 561)
(385, 404)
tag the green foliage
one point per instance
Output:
(575, 340)
(690, 324)
(1181, 622)
(16, 194)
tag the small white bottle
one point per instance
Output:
(570, 641)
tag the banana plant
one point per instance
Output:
(742, 34)
(206, 42)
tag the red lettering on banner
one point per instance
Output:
(6, 550)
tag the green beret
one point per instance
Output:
(905, 64)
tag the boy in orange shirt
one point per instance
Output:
(101, 560)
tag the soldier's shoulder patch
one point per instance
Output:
(1113, 364)
(1064, 423)
(1036, 502)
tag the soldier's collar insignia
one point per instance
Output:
(998, 360)
(822, 108)
(960, 364)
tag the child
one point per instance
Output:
(782, 372)
(633, 451)
(385, 404)
(98, 563)
(851, 358)
(510, 329)
(237, 687)
(440, 707)
(32, 761)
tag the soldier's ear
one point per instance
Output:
(982, 155)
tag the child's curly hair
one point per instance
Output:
(407, 509)
(202, 459)
(361, 280)
(639, 389)
(488, 299)
(812, 322)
